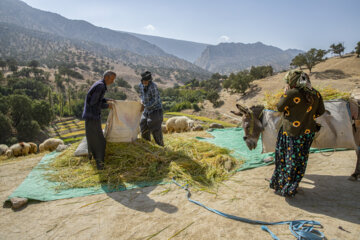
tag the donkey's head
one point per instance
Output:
(251, 123)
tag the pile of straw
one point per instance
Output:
(198, 163)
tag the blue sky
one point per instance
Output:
(282, 23)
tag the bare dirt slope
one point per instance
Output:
(326, 196)
(339, 73)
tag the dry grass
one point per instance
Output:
(200, 164)
(270, 100)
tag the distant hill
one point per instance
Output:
(234, 57)
(19, 13)
(187, 50)
(50, 49)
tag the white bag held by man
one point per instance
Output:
(123, 121)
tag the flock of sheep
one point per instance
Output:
(174, 124)
(23, 148)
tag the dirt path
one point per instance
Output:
(327, 197)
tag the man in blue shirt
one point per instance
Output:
(152, 116)
(94, 102)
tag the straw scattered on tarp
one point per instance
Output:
(198, 163)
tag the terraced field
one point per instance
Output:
(71, 130)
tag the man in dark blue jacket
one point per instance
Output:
(152, 116)
(94, 102)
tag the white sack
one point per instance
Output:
(336, 128)
(82, 149)
(123, 122)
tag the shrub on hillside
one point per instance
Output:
(181, 106)
(122, 83)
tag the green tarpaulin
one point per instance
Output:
(35, 186)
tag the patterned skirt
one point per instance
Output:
(291, 156)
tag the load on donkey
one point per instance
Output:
(338, 127)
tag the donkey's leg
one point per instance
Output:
(356, 174)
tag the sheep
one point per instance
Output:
(18, 149)
(50, 144)
(179, 124)
(61, 148)
(33, 147)
(3, 149)
(164, 129)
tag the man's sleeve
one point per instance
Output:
(286, 100)
(104, 103)
(155, 97)
(94, 98)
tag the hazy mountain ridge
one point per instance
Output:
(19, 13)
(187, 50)
(234, 57)
(25, 45)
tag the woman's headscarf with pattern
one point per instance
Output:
(299, 79)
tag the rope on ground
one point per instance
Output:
(301, 229)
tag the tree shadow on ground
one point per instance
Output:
(333, 196)
(330, 74)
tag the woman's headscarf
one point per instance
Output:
(299, 79)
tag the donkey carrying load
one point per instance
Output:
(337, 130)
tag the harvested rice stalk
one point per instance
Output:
(200, 164)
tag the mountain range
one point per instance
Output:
(231, 57)
(135, 50)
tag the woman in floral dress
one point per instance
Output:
(301, 105)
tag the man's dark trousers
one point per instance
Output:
(96, 141)
(151, 123)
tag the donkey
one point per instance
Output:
(337, 130)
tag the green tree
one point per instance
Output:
(12, 64)
(298, 61)
(2, 64)
(193, 83)
(122, 83)
(20, 109)
(33, 64)
(30, 87)
(337, 48)
(213, 96)
(27, 130)
(41, 112)
(261, 72)
(240, 82)
(357, 49)
(4, 104)
(313, 57)
(5, 128)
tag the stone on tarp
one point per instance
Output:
(198, 128)
(216, 125)
(17, 202)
